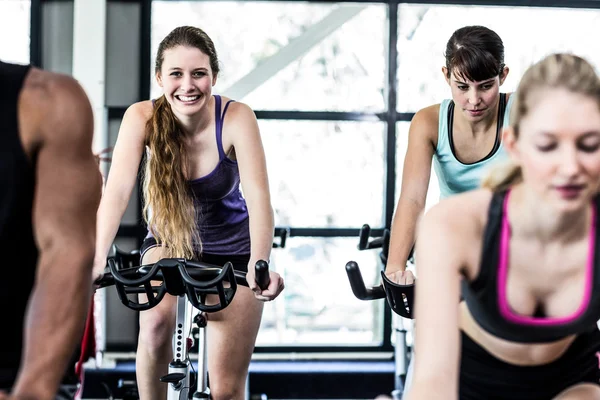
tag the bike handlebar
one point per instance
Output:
(178, 277)
(380, 242)
(358, 284)
(261, 270)
(399, 297)
(283, 234)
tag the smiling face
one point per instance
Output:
(558, 147)
(186, 78)
(476, 100)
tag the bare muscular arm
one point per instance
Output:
(67, 194)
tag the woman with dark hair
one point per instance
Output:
(523, 253)
(200, 147)
(462, 135)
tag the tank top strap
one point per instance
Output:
(445, 110)
(219, 118)
(490, 251)
(501, 114)
(509, 102)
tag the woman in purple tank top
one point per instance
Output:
(200, 148)
(523, 252)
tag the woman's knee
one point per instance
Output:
(157, 326)
(583, 391)
(228, 390)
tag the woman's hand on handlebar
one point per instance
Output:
(401, 277)
(98, 270)
(276, 285)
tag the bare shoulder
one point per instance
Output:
(134, 122)
(54, 91)
(460, 218)
(239, 111)
(428, 115)
(468, 206)
(426, 121)
(239, 121)
(141, 110)
(53, 105)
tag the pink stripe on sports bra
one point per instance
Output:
(505, 310)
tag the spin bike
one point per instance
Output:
(191, 282)
(400, 298)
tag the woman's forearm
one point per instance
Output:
(402, 236)
(429, 391)
(261, 228)
(109, 215)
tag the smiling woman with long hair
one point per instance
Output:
(200, 148)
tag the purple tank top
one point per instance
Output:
(223, 220)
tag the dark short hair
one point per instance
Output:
(475, 53)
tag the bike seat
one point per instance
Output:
(175, 377)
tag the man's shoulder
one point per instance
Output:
(55, 101)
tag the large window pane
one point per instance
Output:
(317, 306)
(325, 174)
(14, 30)
(425, 29)
(289, 56)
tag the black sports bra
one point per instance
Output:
(485, 296)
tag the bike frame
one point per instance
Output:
(181, 360)
(191, 295)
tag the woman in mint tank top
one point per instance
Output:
(522, 251)
(462, 135)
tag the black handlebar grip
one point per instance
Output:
(358, 284)
(262, 274)
(284, 234)
(363, 238)
(356, 280)
(105, 280)
(385, 245)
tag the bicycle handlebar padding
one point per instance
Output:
(401, 298)
(177, 277)
(358, 284)
(262, 274)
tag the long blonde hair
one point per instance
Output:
(558, 70)
(169, 207)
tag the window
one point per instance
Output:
(425, 29)
(14, 27)
(325, 174)
(317, 306)
(301, 56)
(298, 58)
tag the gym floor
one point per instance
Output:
(277, 379)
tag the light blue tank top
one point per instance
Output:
(453, 175)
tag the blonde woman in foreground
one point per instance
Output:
(522, 252)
